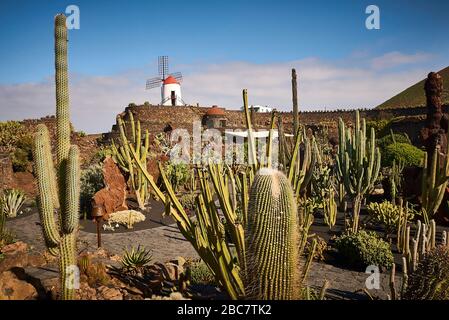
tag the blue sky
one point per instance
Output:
(219, 46)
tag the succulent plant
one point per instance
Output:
(122, 156)
(59, 191)
(430, 281)
(12, 201)
(358, 163)
(272, 238)
(135, 258)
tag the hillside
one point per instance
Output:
(414, 96)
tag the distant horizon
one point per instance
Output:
(220, 48)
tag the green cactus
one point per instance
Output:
(357, 163)
(122, 156)
(434, 182)
(272, 238)
(59, 192)
(430, 281)
(396, 179)
(330, 209)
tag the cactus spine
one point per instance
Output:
(358, 163)
(59, 191)
(272, 238)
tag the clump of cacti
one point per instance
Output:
(358, 163)
(430, 281)
(122, 156)
(435, 178)
(272, 238)
(59, 191)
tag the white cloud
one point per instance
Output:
(95, 101)
(395, 58)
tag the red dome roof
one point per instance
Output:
(170, 80)
(215, 111)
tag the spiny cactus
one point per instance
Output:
(272, 238)
(430, 281)
(295, 102)
(358, 163)
(396, 179)
(435, 179)
(59, 191)
(122, 156)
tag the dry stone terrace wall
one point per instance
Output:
(155, 118)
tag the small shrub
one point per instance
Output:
(177, 174)
(188, 201)
(136, 258)
(378, 125)
(363, 248)
(91, 182)
(12, 200)
(101, 154)
(20, 160)
(385, 141)
(320, 249)
(408, 154)
(388, 214)
(199, 274)
(127, 218)
(11, 132)
(81, 134)
(97, 275)
(430, 281)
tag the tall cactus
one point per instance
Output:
(295, 102)
(122, 156)
(357, 163)
(272, 238)
(59, 191)
(435, 179)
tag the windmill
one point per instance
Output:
(169, 82)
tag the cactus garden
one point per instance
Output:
(238, 205)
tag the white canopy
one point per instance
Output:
(256, 134)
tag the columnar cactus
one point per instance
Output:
(59, 191)
(272, 238)
(358, 163)
(435, 179)
(295, 102)
(122, 156)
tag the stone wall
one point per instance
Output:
(156, 118)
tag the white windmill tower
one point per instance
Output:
(171, 88)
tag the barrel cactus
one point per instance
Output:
(272, 239)
(430, 281)
(59, 189)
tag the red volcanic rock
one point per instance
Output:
(113, 196)
(153, 166)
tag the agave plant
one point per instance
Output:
(12, 200)
(136, 258)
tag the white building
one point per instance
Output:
(171, 92)
(260, 109)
